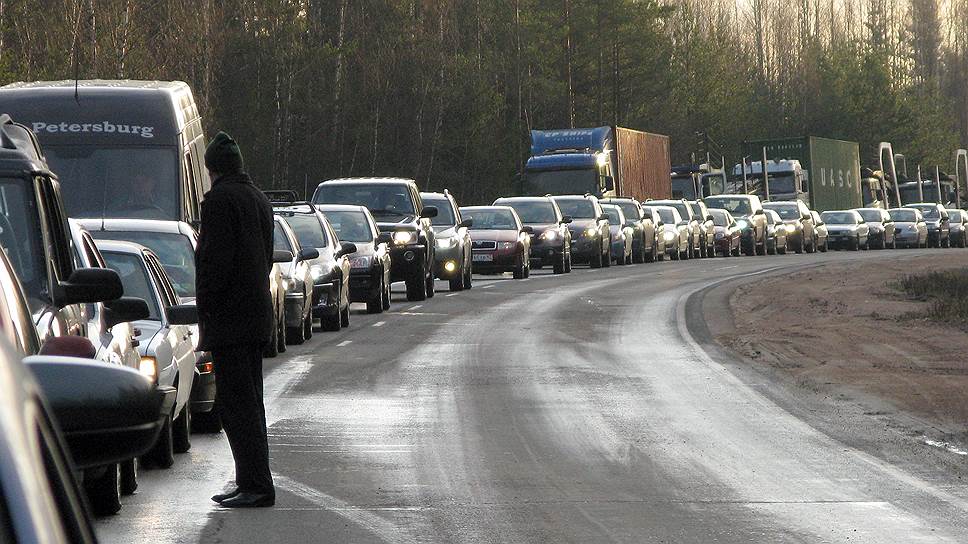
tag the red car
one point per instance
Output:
(499, 242)
(728, 236)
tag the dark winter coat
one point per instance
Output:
(233, 261)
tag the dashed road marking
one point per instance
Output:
(344, 343)
(415, 306)
(379, 323)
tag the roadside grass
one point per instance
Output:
(946, 293)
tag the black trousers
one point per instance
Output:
(238, 385)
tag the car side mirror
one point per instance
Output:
(466, 224)
(384, 238)
(603, 217)
(630, 223)
(609, 183)
(759, 212)
(527, 229)
(182, 314)
(308, 254)
(683, 223)
(346, 248)
(660, 224)
(429, 212)
(710, 217)
(566, 219)
(87, 286)
(281, 256)
(107, 413)
(125, 310)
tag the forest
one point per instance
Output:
(446, 91)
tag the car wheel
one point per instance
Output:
(209, 422)
(104, 492)
(162, 455)
(518, 271)
(344, 316)
(129, 476)
(181, 439)
(417, 285)
(296, 335)
(375, 304)
(281, 333)
(272, 347)
(559, 266)
(596, 261)
(468, 276)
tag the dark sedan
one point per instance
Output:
(551, 239)
(501, 243)
(728, 235)
(370, 265)
(936, 218)
(589, 229)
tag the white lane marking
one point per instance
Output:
(415, 307)
(487, 287)
(455, 294)
(344, 343)
(728, 267)
(379, 323)
(381, 528)
(944, 445)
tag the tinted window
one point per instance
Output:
(381, 199)
(668, 216)
(280, 242)
(21, 238)
(929, 212)
(839, 218)
(613, 216)
(719, 218)
(533, 211)
(630, 210)
(871, 215)
(578, 208)
(908, 216)
(308, 229)
(785, 211)
(350, 226)
(124, 182)
(491, 219)
(735, 206)
(955, 216)
(175, 251)
(134, 278)
(445, 212)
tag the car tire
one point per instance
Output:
(296, 335)
(181, 439)
(375, 304)
(209, 422)
(518, 272)
(344, 317)
(162, 454)
(456, 284)
(129, 476)
(308, 326)
(272, 347)
(281, 334)
(417, 285)
(468, 276)
(104, 492)
(596, 261)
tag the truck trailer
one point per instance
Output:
(608, 162)
(822, 172)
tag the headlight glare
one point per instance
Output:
(148, 367)
(404, 237)
(590, 231)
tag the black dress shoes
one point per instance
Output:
(221, 497)
(250, 500)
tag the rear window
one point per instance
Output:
(719, 218)
(871, 215)
(533, 211)
(445, 212)
(491, 219)
(382, 199)
(734, 205)
(904, 216)
(839, 218)
(613, 216)
(577, 208)
(175, 251)
(929, 212)
(350, 226)
(308, 229)
(135, 279)
(785, 211)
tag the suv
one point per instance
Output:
(551, 239)
(798, 223)
(750, 216)
(452, 256)
(402, 217)
(589, 229)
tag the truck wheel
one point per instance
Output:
(104, 492)
(161, 454)
(181, 439)
(417, 285)
(129, 476)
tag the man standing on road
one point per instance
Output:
(233, 259)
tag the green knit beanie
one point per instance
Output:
(223, 155)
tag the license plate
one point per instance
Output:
(483, 257)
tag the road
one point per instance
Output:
(577, 408)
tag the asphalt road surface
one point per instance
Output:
(578, 408)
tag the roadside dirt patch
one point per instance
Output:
(847, 331)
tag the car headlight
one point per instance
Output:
(790, 229)
(549, 235)
(743, 224)
(670, 236)
(447, 243)
(363, 261)
(148, 367)
(591, 231)
(316, 271)
(404, 237)
(507, 245)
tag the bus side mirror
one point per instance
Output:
(609, 183)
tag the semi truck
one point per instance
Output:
(823, 172)
(697, 181)
(608, 162)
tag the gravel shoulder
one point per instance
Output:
(855, 361)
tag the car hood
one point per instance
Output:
(496, 235)
(389, 224)
(582, 224)
(363, 249)
(539, 228)
(840, 228)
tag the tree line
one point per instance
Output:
(446, 91)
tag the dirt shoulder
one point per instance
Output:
(841, 343)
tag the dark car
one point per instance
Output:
(936, 218)
(644, 248)
(957, 225)
(707, 225)
(799, 227)
(882, 228)
(750, 217)
(330, 270)
(398, 209)
(847, 229)
(501, 242)
(551, 239)
(910, 230)
(728, 236)
(621, 233)
(452, 256)
(589, 229)
(697, 233)
(370, 265)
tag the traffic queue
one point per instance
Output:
(99, 231)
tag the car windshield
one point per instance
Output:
(719, 218)
(134, 279)
(681, 207)
(735, 206)
(445, 212)
(904, 216)
(696, 209)
(929, 212)
(122, 182)
(280, 242)
(350, 226)
(630, 210)
(174, 249)
(871, 215)
(955, 216)
(668, 216)
(22, 239)
(382, 199)
(533, 211)
(785, 211)
(577, 208)
(613, 216)
(561, 182)
(308, 229)
(839, 218)
(490, 219)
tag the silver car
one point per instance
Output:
(847, 229)
(165, 339)
(910, 230)
(297, 279)
(677, 234)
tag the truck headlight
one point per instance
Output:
(404, 237)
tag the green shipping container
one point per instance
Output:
(831, 168)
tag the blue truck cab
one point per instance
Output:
(571, 162)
